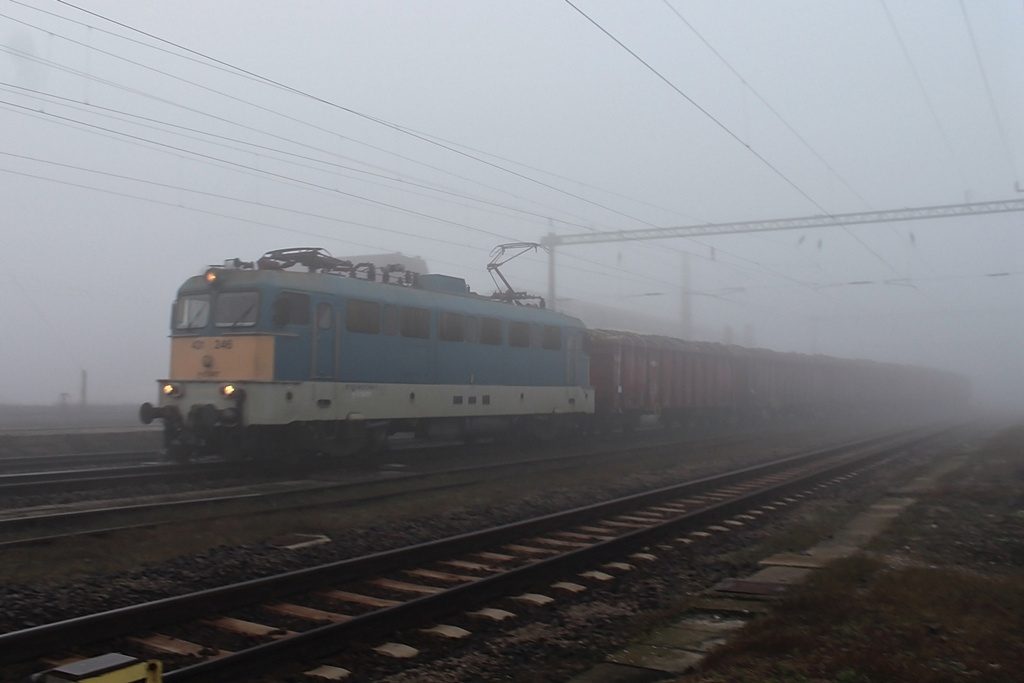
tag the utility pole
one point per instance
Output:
(686, 310)
(550, 242)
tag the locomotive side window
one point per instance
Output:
(291, 308)
(191, 312)
(536, 333)
(518, 334)
(389, 321)
(236, 309)
(324, 315)
(451, 326)
(472, 329)
(490, 332)
(415, 322)
(362, 316)
(552, 337)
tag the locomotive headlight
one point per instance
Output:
(172, 390)
(212, 277)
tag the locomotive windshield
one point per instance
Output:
(191, 312)
(236, 309)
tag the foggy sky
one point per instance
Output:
(144, 141)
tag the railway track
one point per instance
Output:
(63, 473)
(39, 463)
(302, 617)
(28, 526)
(98, 478)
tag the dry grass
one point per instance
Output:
(951, 609)
(858, 621)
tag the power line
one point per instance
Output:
(419, 135)
(163, 126)
(768, 105)
(258, 79)
(693, 102)
(165, 148)
(924, 94)
(277, 176)
(220, 93)
(249, 75)
(227, 68)
(988, 91)
(432, 140)
(735, 137)
(214, 195)
(727, 130)
(236, 71)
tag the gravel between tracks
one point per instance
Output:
(574, 634)
(24, 605)
(556, 643)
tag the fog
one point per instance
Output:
(144, 141)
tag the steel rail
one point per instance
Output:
(33, 483)
(323, 641)
(365, 486)
(42, 640)
(83, 460)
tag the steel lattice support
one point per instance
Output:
(551, 240)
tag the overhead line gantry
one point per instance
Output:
(552, 241)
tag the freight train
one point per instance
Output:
(302, 353)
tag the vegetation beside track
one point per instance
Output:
(938, 597)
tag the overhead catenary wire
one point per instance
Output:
(253, 77)
(382, 179)
(988, 91)
(109, 229)
(432, 140)
(260, 172)
(219, 93)
(924, 94)
(259, 79)
(724, 128)
(730, 133)
(264, 81)
(721, 251)
(476, 155)
(206, 60)
(803, 141)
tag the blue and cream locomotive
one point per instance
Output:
(300, 352)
